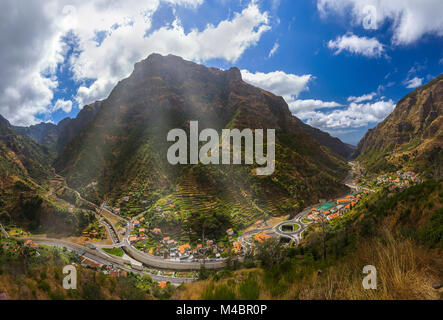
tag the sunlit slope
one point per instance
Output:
(124, 148)
(411, 137)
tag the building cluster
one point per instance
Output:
(332, 210)
(398, 181)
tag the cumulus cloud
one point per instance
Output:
(29, 53)
(410, 19)
(110, 37)
(127, 44)
(368, 47)
(61, 104)
(301, 106)
(283, 84)
(273, 50)
(354, 116)
(365, 97)
(413, 83)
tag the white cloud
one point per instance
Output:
(354, 116)
(283, 84)
(411, 19)
(31, 46)
(365, 97)
(301, 106)
(413, 83)
(115, 57)
(369, 47)
(66, 106)
(273, 50)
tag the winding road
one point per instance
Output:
(102, 257)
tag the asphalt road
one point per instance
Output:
(102, 258)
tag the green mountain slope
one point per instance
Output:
(124, 148)
(401, 235)
(25, 200)
(411, 137)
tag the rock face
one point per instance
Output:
(54, 136)
(124, 147)
(411, 137)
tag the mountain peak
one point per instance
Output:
(172, 67)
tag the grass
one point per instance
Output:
(114, 251)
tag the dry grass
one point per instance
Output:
(404, 271)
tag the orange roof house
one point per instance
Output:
(344, 200)
(184, 247)
(132, 239)
(156, 230)
(28, 242)
(260, 237)
(162, 284)
(141, 230)
(333, 216)
(237, 246)
(166, 239)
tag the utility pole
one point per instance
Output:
(324, 236)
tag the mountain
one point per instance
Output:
(74, 126)
(122, 152)
(325, 139)
(26, 199)
(21, 156)
(54, 136)
(411, 137)
(44, 133)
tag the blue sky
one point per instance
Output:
(340, 65)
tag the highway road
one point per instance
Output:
(297, 234)
(101, 257)
(188, 265)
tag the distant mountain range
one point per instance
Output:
(54, 136)
(411, 137)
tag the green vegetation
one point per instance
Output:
(401, 235)
(114, 251)
(26, 275)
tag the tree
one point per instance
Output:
(271, 252)
(210, 224)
